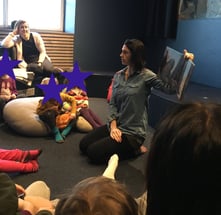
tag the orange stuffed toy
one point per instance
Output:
(63, 120)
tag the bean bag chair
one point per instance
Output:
(20, 115)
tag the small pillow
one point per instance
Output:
(83, 125)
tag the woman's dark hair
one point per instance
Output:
(137, 53)
(13, 24)
(184, 162)
(96, 196)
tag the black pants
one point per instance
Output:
(46, 69)
(99, 146)
(43, 71)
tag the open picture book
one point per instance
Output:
(175, 68)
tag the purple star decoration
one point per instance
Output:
(75, 78)
(51, 90)
(7, 65)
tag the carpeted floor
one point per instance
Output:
(62, 165)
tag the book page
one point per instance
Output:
(20, 73)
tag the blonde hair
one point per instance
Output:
(18, 23)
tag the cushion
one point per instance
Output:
(83, 125)
(20, 115)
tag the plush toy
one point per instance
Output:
(63, 120)
(66, 107)
(188, 55)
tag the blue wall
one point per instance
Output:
(203, 38)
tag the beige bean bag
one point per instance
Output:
(20, 115)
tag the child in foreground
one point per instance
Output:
(99, 195)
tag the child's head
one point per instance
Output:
(184, 162)
(98, 195)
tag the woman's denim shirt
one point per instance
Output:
(128, 104)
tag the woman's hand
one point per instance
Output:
(116, 134)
